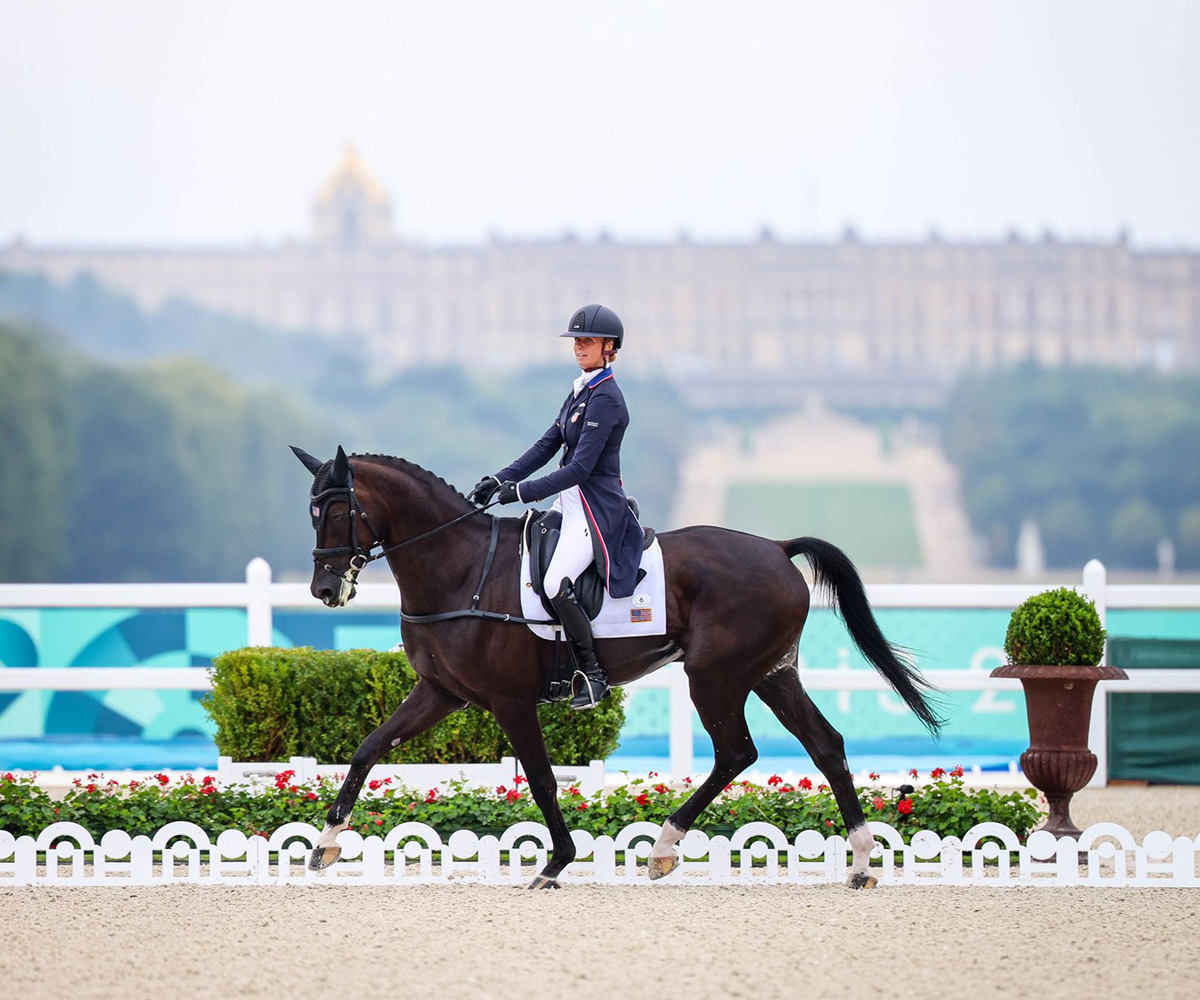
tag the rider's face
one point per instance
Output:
(589, 352)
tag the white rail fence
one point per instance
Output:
(260, 597)
(989, 854)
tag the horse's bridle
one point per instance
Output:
(359, 556)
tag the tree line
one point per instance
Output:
(1105, 462)
(154, 447)
(120, 465)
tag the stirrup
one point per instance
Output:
(593, 691)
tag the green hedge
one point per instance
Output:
(272, 703)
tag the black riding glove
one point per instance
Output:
(508, 493)
(483, 490)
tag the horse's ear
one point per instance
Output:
(312, 464)
(340, 473)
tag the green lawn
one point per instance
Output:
(872, 522)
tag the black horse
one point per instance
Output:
(735, 609)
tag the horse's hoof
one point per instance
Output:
(541, 882)
(661, 867)
(861, 880)
(323, 857)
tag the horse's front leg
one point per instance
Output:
(520, 723)
(426, 705)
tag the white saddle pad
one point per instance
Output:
(645, 613)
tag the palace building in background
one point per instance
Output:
(752, 322)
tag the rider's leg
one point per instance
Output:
(572, 555)
(590, 681)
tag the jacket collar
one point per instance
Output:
(600, 376)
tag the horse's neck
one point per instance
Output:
(434, 567)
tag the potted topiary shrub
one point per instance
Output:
(1054, 644)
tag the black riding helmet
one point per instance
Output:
(596, 321)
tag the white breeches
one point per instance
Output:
(574, 553)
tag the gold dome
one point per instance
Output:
(352, 172)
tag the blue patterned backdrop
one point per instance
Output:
(941, 639)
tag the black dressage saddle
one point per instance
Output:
(542, 530)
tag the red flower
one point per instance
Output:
(574, 791)
(874, 775)
(311, 796)
(805, 784)
(829, 822)
(162, 779)
(134, 783)
(937, 772)
(431, 795)
(8, 776)
(642, 799)
(774, 780)
(374, 784)
(653, 774)
(822, 787)
(208, 790)
(379, 822)
(914, 773)
(957, 772)
(501, 790)
(91, 787)
(904, 806)
(208, 780)
(878, 803)
(513, 795)
(687, 781)
(520, 779)
(729, 786)
(660, 788)
(788, 788)
(581, 806)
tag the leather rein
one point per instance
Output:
(359, 556)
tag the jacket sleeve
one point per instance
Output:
(543, 450)
(604, 412)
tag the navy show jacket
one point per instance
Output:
(590, 428)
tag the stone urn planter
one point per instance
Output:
(1058, 702)
(1054, 643)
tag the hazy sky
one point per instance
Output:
(173, 121)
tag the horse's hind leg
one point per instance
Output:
(722, 711)
(783, 693)
(425, 706)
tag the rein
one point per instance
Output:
(360, 556)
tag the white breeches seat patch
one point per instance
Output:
(645, 613)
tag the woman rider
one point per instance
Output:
(597, 522)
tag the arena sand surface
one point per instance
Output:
(653, 941)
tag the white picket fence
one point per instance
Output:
(989, 855)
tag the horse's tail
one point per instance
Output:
(835, 573)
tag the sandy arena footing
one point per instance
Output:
(592, 941)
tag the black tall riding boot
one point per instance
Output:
(590, 682)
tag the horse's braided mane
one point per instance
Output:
(412, 469)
